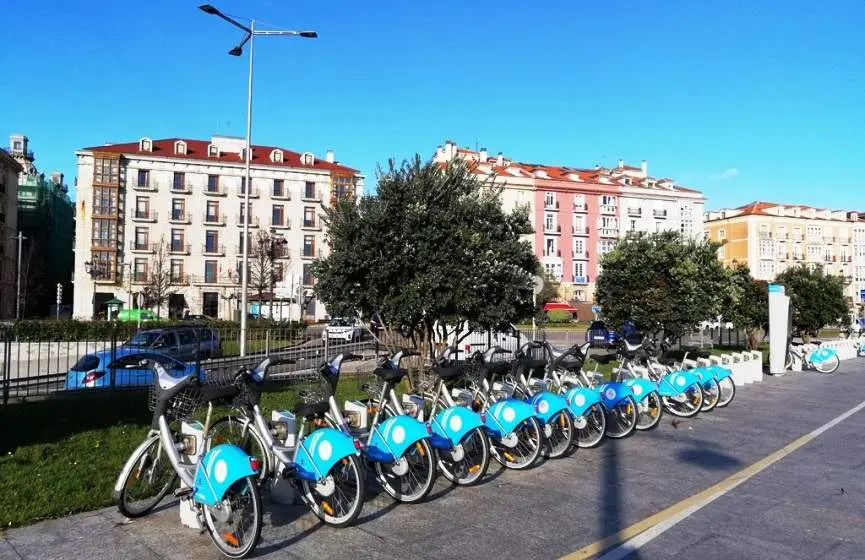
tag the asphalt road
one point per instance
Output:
(810, 504)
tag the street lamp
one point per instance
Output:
(251, 33)
(20, 237)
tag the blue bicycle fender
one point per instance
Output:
(641, 388)
(821, 355)
(503, 417)
(394, 436)
(705, 376)
(581, 399)
(453, 424)
(676, 383)
(220, 467)
(548, 405)
(613, 393)
(721, 372)
(320, 451)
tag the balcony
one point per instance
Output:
(179, 279)
(581, 206)
(181, 188)
(253, 221)
(214, 190)
(796, 257)
(581, 279)
(767, 256)
(144, 215)
(143, 247)
(180, 217)
(214, 220)
(660, 214)
(145, 186)
(283, 195)
(765, 235)
(550, 253)
(828, 239)
(580, 255)
(139, 277)
(178, 248)
(310, 253)
(551, 205)
(284, 224)
(635, 212)
(253, 192)
(580, 230)
(213, 250)
(310, 225)
(281, 252)
(796, 237)
(848, 280)
(608, 232)
(311, 195)
(553, 230)
(608, 208)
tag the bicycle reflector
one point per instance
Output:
(357, 444)
(428, 428)
(255, 464)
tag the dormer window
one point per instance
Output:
(212, 150)
(276, 156)
(307, 158)
(180, 148)
(145, 145)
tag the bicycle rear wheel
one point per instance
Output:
(649, 411)
(622, 419)
(711, 395)
(148, 482)
(590, 427)
(411, 477)
(235, 525)
(727, 391)
(473, 463)
(521, 448)
(828, 366)
(338, 498)
(559, 435)
(688, 404)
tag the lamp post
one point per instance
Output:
(251, 33)
(20, 237)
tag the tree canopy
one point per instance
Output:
(661, 281)
(816, 298)
(433, 247)
(746, 304)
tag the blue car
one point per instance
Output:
(94, 370)
(599, 336)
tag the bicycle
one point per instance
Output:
(218, 484)
(824, 360)
(649, 403)
(324, 466)
(681, 390)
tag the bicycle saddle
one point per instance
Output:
(448, 372)
(390, 373)
(313, 410)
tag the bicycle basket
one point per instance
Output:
(314, 394)
(424, 381)
(180, 407)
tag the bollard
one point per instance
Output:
(737, 366)
(757, 367)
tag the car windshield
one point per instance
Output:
(86, 363)
(143, 339)
(340, 322)
(597, 325)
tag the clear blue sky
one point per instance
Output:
(745, 100)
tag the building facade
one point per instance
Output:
(9, 170)
(771, 237)
(46, 218)
(174, 208)
(579, 214)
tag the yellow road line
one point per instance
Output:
(705, 497)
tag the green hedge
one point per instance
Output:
(559, 316)
(73, 330)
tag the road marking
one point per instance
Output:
(641, 533)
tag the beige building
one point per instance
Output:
(183, 199)
(9, 170)
(771, 237)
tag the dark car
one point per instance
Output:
(599, 336)
(183, 343)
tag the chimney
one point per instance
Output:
(328, 156)
(500, 160)
(645, 168)
(450, 150)
(439, 152)
(621, 163)
(482, 156)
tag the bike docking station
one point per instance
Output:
(191, 433)
(780, 321)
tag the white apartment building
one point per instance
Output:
(183, 199)
(9, 170)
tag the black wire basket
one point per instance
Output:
(181, 406)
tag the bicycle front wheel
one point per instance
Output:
(687, 404)
(590, 427)
(338, 498)
(235, 523)
(411, 477)
(559, 435)
(147, 482)
(728, 390)
(828, 366)
(467, 465)
(649, 411)
(521, 448)
(622, 419)
(711, 395)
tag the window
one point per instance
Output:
(549, 222)
(844, 257)
(308, 279)
(609, 223)
(608, 200)
(814, 252)
(767, 269)
(142, 207)
(177, 240)
(632, 226)
(722, 234)
(187, 337)
(308, 216)
(179, 181)
(278, 215)
(178, 209)
(797, 234)
(210, 304)
(212, 210)
(309, 190)
(278, 272)
(550, 247)
(213, 183)
(308, 246)
(140, 270)
(579, 272)
(240, 244)
(278, 187)
(579, 225)
(767, 249)
(143, 177)
(180, 147)
(554, 270)
(722, 252)
(211, 241)
(142, 235)
(827, 254)
(104, 234)
(605, 246)
(815, 233)
(104, 201)
(797, 252)
(106, 171)
(176, 270)
(276, 156)
(17, 145)
(243, 185)
(244, 211)
(579, 248)
(579, 202)
(685, 226)
(213, 150)
(550, 200)
(781, 249)
(210, 272)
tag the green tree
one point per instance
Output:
(816, 298)
(432, 249)
(746, 304)
(661, 281)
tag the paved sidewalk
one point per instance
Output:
(564, 505)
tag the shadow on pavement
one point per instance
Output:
(612, 518)
(708, 455)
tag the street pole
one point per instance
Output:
(59, 299)
(20, 237)
(244, 280)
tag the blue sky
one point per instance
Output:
(744, 100)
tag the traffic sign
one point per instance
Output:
(539, 284)
(596, 309)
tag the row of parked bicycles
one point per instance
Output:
(461, 413)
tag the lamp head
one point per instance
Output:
(208, 9)
(308, 34)
(236, 51)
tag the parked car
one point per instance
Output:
(197, 318)
(343, 328)
(183, 343)
(135, 315)
(96, 369)
(599, 336)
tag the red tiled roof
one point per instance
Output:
(197, 150)
(759, 206)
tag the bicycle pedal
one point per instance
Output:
(183, 493)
